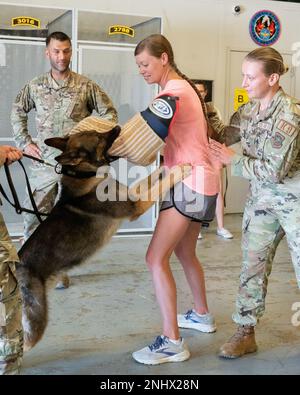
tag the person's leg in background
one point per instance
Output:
(200, 237)
(198, 318)
(221, 231)
(11, 332)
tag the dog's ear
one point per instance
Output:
(57, 142)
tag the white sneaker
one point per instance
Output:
(224, 233)
(200, 237)
(162, 350)
(192, 320)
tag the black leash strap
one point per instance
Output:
(16, 203)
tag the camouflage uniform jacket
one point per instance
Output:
(58, 108)
(214, 117)
(270, 143)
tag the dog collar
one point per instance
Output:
(69, 171)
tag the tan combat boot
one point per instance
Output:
(242, 342)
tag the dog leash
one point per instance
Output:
(59, 169)
(16, 203)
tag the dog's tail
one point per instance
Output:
(35, 310)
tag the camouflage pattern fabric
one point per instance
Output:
(59, 107)
(44, 198)
(271, 162)
(267, 218)
(11, 334)
(214, 117)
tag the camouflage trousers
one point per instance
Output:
(44, 198)
(11, 333)
(268, 216)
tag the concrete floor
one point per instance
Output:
(110, 311)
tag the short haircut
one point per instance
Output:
(60, 36)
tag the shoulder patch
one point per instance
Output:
(161, 108)
(277, 140)
(286, 127)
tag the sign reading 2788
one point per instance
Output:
(119, 29)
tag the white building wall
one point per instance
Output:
(201, 33)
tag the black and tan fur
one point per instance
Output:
(79, 224)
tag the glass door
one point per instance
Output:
(20, 62)
(113, 68)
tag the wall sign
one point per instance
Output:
(25, 21)
(119, 29)
(264, 28)
(240, 98)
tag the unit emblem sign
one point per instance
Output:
(264, 28)
(25, 21)
(119, 29)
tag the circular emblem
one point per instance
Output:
(161, 108)
(264, 28)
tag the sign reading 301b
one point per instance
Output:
(25, 21)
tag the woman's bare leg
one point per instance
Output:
(170, 228)
(186, 253)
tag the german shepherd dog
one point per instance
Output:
(80, 223)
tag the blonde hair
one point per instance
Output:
(271, 60)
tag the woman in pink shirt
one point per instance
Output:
(180, 110)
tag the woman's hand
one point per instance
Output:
(9, 154)
(221, 152)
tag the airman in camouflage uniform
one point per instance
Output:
(270, 141)
(60, 103)
(11, 333)
(58, 108)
